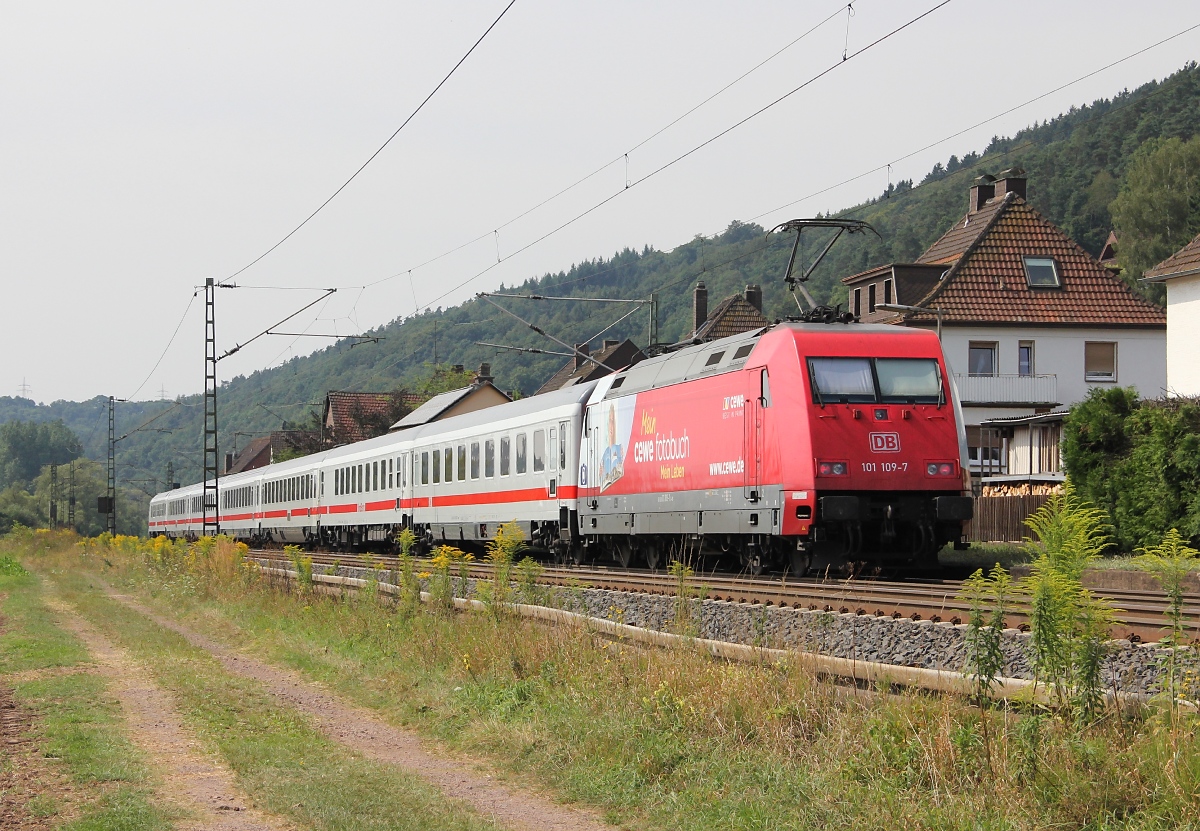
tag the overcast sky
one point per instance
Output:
(147, 146)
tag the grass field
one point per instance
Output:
(78, 724)
(653, 739)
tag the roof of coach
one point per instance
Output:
(534, 405)
(711, 358)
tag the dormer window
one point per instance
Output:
(1042, 273)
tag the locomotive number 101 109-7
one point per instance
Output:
(884, 467)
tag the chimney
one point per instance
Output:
(581, 349)
(981, 191)
(699, 306)
(484, 376)
(228, 462)
(754, 297)
(609, 343)
(1011, 181)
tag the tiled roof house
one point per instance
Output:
(614, 355)
(1181, 274)
(478, 395)
(355, 416)
(735, 314)
(1029, 320)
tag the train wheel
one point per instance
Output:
(623, 552)
(801, 562)
(652, 556)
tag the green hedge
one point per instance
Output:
(1139, 460)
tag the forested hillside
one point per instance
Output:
(1076, 166)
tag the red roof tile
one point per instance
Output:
(345, 412)
(732, 316)
(1185, 260)
(951, 245)
(987, 282)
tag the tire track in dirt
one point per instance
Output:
(192, 780)
(362, 731)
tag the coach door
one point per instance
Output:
(757, 400)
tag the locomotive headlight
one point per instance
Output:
(832, 468)
(931, 469)
(940, 469)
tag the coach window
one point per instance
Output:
(425, 468)
(462, 463)
(449, 464)
(539, 451)
(402, 472)
(437, 467)
(360, 479)
(389, 467)
(505, 455)
(474, 460)
(562, 445)
(765, 397)
(522, 453)
(489, 458)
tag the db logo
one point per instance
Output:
(885, 442)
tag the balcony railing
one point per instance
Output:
(1008, 389)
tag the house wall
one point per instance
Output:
(479, 398)
(1141, 358)
(1183, 335)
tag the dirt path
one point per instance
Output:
(363, 731)
(191, 779)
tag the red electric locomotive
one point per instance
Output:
(801, 446)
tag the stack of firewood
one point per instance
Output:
(1022, 489)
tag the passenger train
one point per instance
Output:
(796, 446)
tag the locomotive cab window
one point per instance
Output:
(845, 380)
(876, 380)
(764, 396)
(912, 380)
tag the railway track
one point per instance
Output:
(1140, 613)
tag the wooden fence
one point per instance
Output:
(1002, 518)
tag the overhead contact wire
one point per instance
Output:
(382, 146)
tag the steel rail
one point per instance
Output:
(1140, 614)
